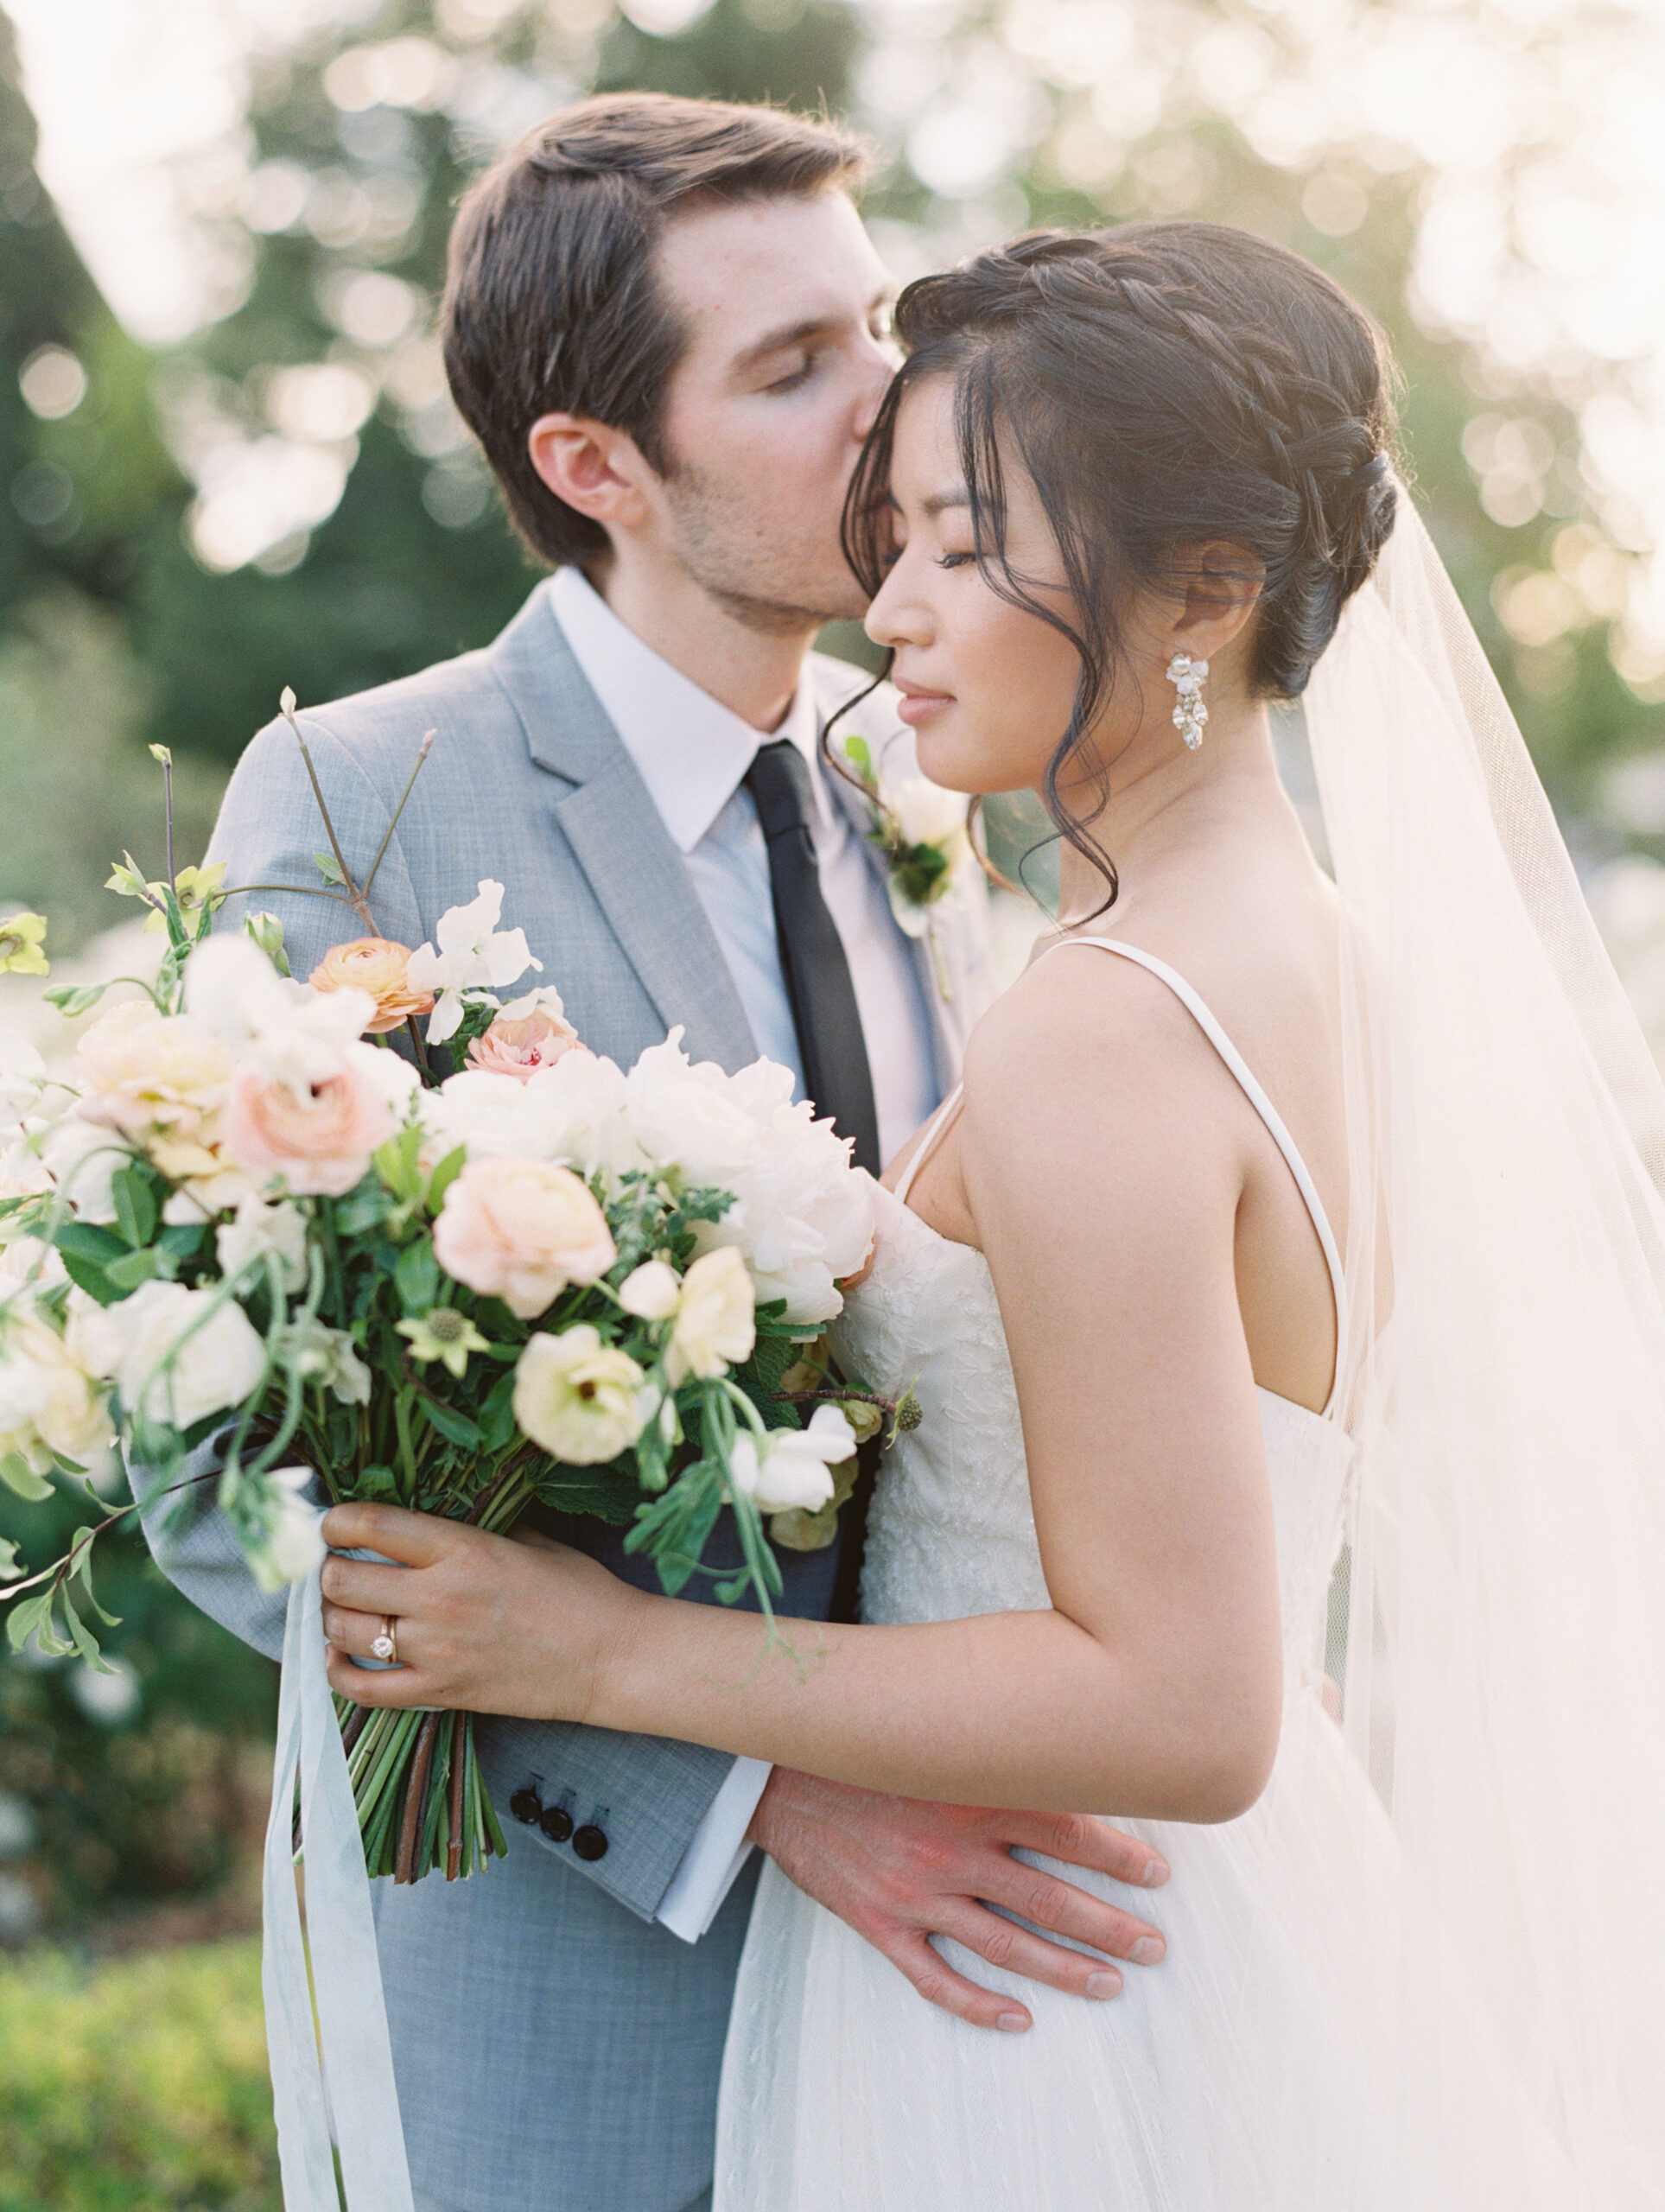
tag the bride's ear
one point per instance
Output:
(1219, 587)
(596, 469)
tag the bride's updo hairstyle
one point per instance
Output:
(1166, 385)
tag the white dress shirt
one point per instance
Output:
(692, 754)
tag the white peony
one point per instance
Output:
(184, 1354)
(793, 1473)
(294, 1544)
(801, 1219)
(578, 1398)
(651, 1292)
(574, 1112)
(696, 1119)
(716, 1325)
(474, 954)
(50, 1407)
(260, 1232)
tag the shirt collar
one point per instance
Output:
(690, 749)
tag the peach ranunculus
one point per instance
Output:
(520, 1048)
(377, 965)
(521, 1231)
(318, 1136)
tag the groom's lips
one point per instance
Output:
(915, 705)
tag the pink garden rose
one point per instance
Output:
(318, 1136)
(521, 1231)
(520, 1048)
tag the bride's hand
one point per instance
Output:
(481, 1623)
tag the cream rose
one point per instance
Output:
(377, 966)
(158, 1080)
(318, 1136)
(521, 1048)
(716, 1325)
(651, 1292)
(521, 1231)
(50, 1407)
(183, 1356)
(578, 1398)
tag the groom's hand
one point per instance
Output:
(900, 1871)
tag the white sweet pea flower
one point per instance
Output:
(544, 1000)
(326, 1356)
(793, 1474)
(474, 954)
(261, 1230)
(217, 1357)
(651, 1292)
(294, 1544)
(291, 1034)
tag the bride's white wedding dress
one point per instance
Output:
(1255, 2069)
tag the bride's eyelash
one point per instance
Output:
(954, 560)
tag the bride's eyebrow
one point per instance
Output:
(940, 502)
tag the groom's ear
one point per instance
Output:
(594, 469)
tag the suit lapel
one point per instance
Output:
(617, 836)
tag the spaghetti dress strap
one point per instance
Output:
(935, 1130)
(1210, 1028)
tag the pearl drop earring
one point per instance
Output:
(1188, 676)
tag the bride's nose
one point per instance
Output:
(897, 616)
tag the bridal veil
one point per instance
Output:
(1498, 1620)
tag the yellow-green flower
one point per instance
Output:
(193, 888)
(444, 1334)
(22, 940)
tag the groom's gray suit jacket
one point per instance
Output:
(554, 2046)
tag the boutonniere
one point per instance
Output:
(921, 829)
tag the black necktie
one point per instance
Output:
(830, 1040)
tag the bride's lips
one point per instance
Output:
(917, 705)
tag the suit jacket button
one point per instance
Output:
(526, 1805)
(557, 1824)
(590, 1842)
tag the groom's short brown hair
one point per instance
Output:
(552, 304)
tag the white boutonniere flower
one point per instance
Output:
(921, 830)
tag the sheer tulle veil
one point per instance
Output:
(1501, 1599)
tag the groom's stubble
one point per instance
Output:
(777, 581)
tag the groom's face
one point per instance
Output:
(786, 307)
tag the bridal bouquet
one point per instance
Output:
(244, 1222)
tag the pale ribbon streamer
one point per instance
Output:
(346, 1976)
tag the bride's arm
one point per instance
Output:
(1104, 1199)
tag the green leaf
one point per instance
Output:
(130, 1270)
(18, 1475)
(456, 1427)
(87, 1241)
(9, 1569)
(328, 867)
(497, 1422)
(92, 1278)
(444, 1175)
(376, 1482)
(184, 1239)
(416, 1276)
(84, 1640)
(856, 751)
(25, 1618)
(362, 1211)
(75, 998)
(136, 1205)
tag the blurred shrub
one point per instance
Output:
(145, 1785)
(136, 2086)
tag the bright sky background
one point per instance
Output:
(1541, 222)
